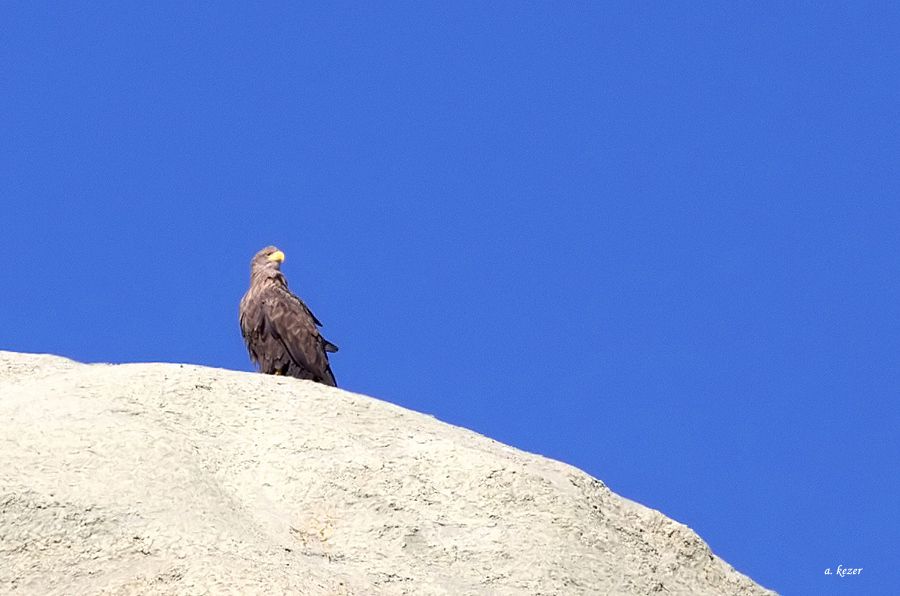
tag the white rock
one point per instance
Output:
(178, 479)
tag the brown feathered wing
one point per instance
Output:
(282, 334)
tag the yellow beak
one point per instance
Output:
(277, 256)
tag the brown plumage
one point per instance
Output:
(280, 331)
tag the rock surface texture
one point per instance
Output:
(178, 479)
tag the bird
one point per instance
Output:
(281, 333)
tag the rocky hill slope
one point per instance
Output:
(177, 479)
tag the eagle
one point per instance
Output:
(280, 331)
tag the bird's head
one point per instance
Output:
(267, 261)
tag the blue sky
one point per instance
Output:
(658, 241)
